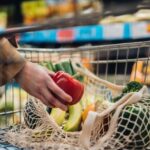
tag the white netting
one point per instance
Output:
(126, 127)
(121, 125)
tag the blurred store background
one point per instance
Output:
(94, 22)
(110, 20)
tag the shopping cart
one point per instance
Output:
(113, 63)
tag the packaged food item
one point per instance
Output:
(3, 20)
(70, 7)
(143, 15)
(34, 11)
(141, 72)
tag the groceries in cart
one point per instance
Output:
(141, 72)
(102, 115)
(108, 116)
(65, 77)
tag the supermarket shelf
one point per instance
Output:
(91, 33)
(55, 23)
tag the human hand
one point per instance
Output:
(37, 81)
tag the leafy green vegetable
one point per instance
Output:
(132, 86)
(117, 98)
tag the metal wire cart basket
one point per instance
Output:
(123, 124)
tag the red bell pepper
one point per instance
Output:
(70, 85)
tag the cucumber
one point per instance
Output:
(59, 67)
(52, 66)
(49, 67)
(73, 71)
(67, 66)
(79, 77)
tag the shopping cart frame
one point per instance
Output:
(91, 52)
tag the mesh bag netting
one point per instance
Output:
(124, 124)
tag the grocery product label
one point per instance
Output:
(148, 28)
(113, 31)
(66, 35)
(89, 33)
(139, 30)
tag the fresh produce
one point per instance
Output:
(50, 66)
(132, 86)
(135, 119)
(71, 66)
(74, 120)
(89, 108)
(65, 76)
(70, 85)
(58, 115)
(44, 64)
(59, 67)
(69, 120)
(65, 66)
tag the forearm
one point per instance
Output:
(11, 62)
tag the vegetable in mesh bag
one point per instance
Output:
(128, 122)
(131, 132)
(134, 122)
(113, 141)
(45, 130)
(133, 127)
(132, 86)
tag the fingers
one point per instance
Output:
(50, 73)
(51, 100)
(58, 91)
(45, 101)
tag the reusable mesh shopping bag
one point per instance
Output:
(124, 124)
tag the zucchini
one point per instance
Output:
(49, 67)
(66, 65)
(59, 67)
(73, 71)
(52, 66)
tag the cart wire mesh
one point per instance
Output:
(113, 63)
